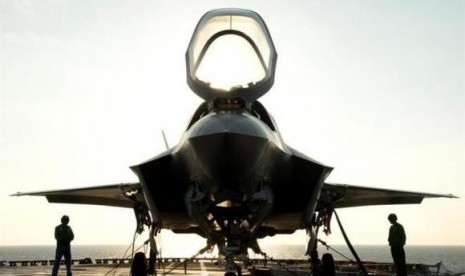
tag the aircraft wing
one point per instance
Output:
(117, 195)
(343, 195)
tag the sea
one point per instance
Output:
(452, 257)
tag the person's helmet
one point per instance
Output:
(65, 219)
(392, 217)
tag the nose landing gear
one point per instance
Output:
(232, 269)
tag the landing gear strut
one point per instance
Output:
(153, 252)
(323, 219)
(312, 250)
(232, 269)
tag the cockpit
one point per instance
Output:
(231, 55)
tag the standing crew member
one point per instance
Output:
(397, 241)
(64, 235)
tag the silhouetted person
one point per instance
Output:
(397, 241)
(327, 265)
(139, 265)
(64, 235)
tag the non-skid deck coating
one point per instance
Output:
(47, 270)
(100, 270)
(208, 268)
(199, 268)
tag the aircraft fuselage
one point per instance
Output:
(230, 164)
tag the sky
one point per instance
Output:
(374, 89)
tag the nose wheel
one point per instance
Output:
(237, 272)
(232, 269)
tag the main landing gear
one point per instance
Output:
(323, 219)
(143, 219)
(139, 265)
(153, 252)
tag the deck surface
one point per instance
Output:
(101, 270)
(210, 268)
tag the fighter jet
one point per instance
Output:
(232, 179)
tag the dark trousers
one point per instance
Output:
(62, 250)
(398, 255)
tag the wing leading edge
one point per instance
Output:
(343, 195)
(337, 195)
(116, 195)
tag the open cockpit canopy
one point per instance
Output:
(231, 55)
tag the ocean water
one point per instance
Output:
(453, 257)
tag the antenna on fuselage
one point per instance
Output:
(164, 138)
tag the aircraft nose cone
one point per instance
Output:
(230, 149)
(228, 158)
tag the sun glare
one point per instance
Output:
(230, 62)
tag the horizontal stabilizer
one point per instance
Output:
(343, 195)
(109, 195)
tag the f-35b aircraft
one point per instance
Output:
(232, 179)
